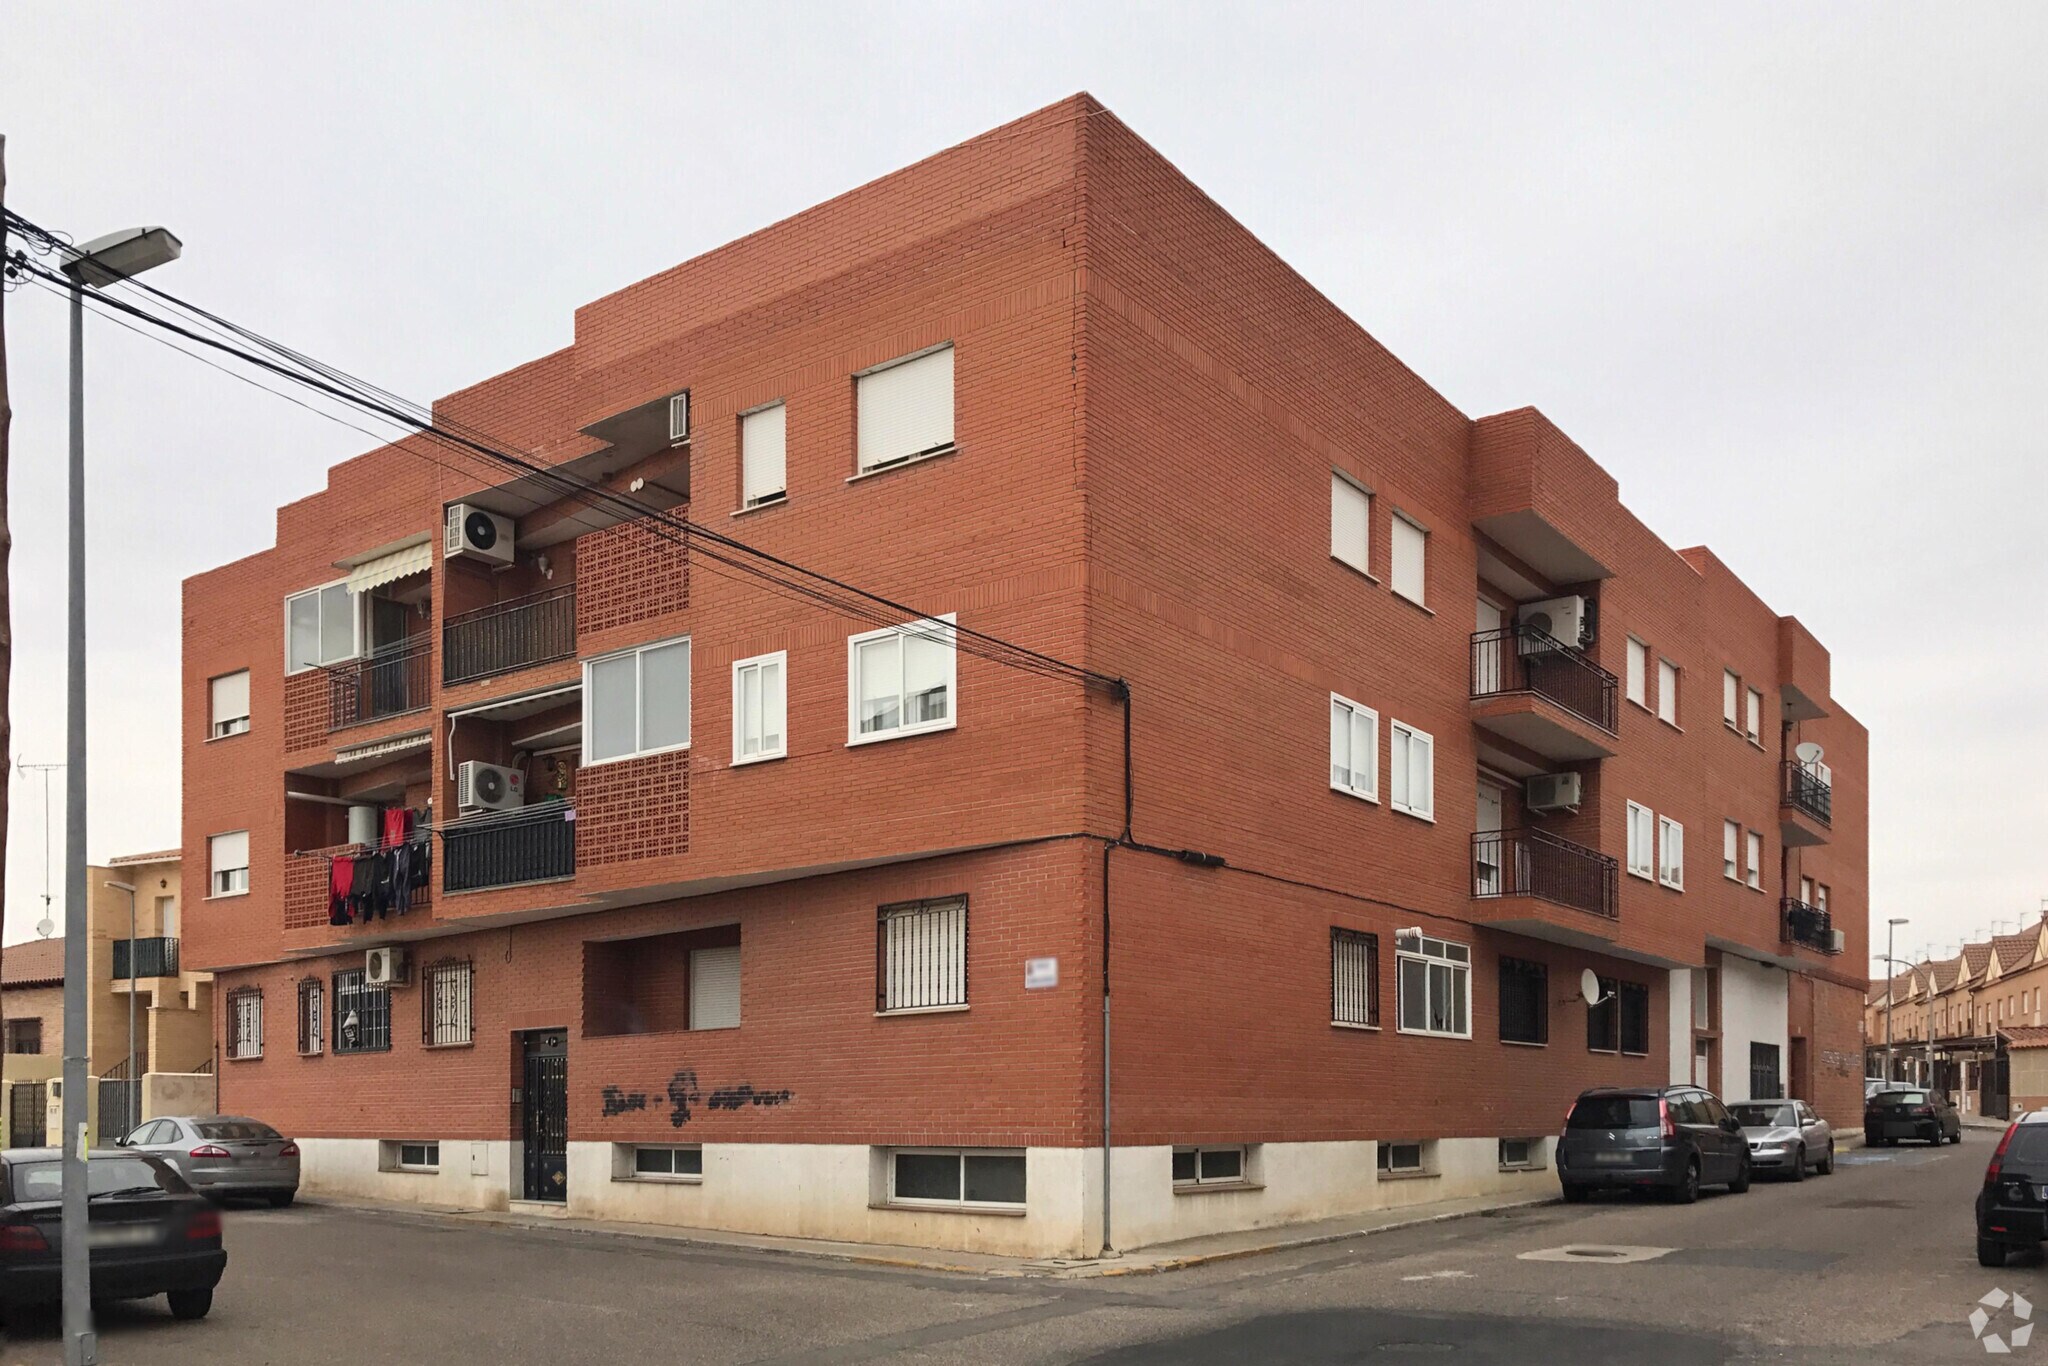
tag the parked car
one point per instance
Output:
(1910, 1112)
(224, 1155)
(1785, 1136)
(1670, 1138)
(150, 1234)
(2010, 1205)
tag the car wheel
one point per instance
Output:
(281, 1199)
(1956, 1137)
(190, 1304)
(1741, 1181)
(1826, 1165)
(1990, 1253)
(1688, 1189)
(1575, 1194)
(1799, 1164)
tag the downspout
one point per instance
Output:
(1123, 695)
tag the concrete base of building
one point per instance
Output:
(839, 1192)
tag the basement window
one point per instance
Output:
(1405, 1157)
(412, 1157)
(1521, 1154)
(658, 1162)
(1211, 1166)
(959, 1178)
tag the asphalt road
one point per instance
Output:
(1872, 1265)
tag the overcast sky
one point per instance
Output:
(1783, 270)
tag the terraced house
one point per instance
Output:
(1975, 1025)
(1167, 727)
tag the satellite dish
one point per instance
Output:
(1589, 986)
(1808, 752)
(45, 927)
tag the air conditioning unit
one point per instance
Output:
(1564, 620)
(478, 535)
(679, 418)
(1552, 792)
(489, 787)
(384, 967)
(1837, 941)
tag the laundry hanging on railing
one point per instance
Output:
(381, 880)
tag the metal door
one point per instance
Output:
(545, 1115)
(120, 1108)
(1992, 1087)
(28, 1104)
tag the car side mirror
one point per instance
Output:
(1729, 1124)
(120, 1143)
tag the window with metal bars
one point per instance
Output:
(362, 1014)
(312, 1015)
(921, 955)
(245, 1022)
(1354, 978)
(444, 1001)
(1524, 1001)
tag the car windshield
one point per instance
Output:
(1892, 1098)
(232, 1129)
(1614, 1112)
(103, 1176)
(1755, 1116)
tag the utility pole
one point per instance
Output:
(6, 616)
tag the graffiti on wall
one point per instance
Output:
(686, 1097)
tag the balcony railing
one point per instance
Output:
(145, 958)
(534, 844)
(1800, 923)
(1539, 864)
(1522, 659)
(510, 635)
(1807, 791)
(384, 683)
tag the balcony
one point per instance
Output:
(505, 849)
(1536, 863)
(1806, 804)
(1806, 926)
(145, 958)
(1530, 688)
(510, 635)
(387, 682)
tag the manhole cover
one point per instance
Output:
(1869, 1204)
(1609, 1253)
(1415, 1347)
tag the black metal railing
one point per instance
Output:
(145, 958)
(1522, 659)
(1539, 864)
(386, 682)
(1807, 791)
(509, 635)
(1799, 923)
(534, 844)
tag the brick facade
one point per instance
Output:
(1148, 408)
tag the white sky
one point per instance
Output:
(1782, 269)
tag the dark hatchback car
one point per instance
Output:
(149, 1233)
(1908, 1112)
(1672, 1138)
(2013, 1203)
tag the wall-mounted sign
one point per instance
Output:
(1040, 973)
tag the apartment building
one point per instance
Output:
(1240, 762)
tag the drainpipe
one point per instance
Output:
(1108, 1248)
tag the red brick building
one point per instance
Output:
(764, 914)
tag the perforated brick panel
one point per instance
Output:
(305, 709)
(635, 809)
(630, 573)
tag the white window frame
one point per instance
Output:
(1753, 717)
(941, 628)
(1394, 576)
(1731, 850)
(245, 1025)
(220, 727)
(1639, 673)
(1731, 699)
(1533, 1155)
(1343, 485)
(749, 499)
(215, 889)
(756, 665)
(1754, 852)
(627, 1164)
(862, 465)
(1671, 853)
(922, 1202)
(1642, 841)
(355, 613)
(1354, 715)
(1667, 691)
(1200, 1150)
(1383, 1159)
(430, 1154)
(1403, 743)
(1432, 953)
(638, 654)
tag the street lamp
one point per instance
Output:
(98, 263)
(1889, 928)
(133, 1114)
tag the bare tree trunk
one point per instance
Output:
(6, 628)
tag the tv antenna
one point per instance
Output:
(46, 925)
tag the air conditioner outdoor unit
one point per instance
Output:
(679, 418)
(1837, 941)
(474, 534)
(384, 967)
(1551, 792)
(488, 787)
(1562, 619)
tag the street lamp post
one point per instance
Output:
(132, 1114)
(100, 262)
(1889, 927)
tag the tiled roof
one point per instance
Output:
(1975, 957)
(2025, 1036)
(135, 860)
(35, 963)
(2014, 949)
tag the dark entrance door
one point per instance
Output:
(545, 1111)
(1992, 1086)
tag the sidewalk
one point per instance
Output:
(1160, 1257)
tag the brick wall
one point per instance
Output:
(630, 573)
(39, 1003)
(632, 810)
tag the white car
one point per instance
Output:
(1785, 1136)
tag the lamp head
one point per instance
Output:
(119, 255)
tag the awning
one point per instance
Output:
(518, 705)
(380, 749)
(402, 562)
